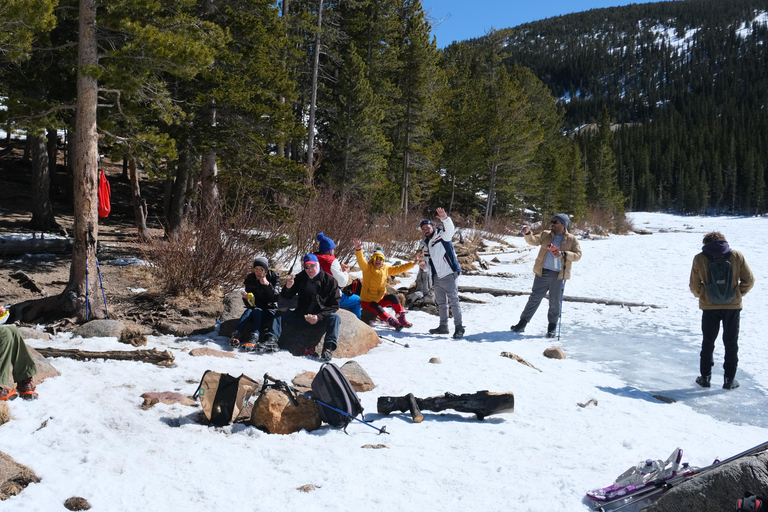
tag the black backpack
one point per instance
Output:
(720, 280)
(750, 502)
(353, 288)
(332, 387)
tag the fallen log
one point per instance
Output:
(481, 404)
(35, 246)
(153, 356)
(567, 298)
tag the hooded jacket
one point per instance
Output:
(375, 279)
(743, 280)
(438, 251)
(318, 295)
(569, 247)
(265, 296)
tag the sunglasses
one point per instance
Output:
(555, 221)
(378, 258)
(309, 265)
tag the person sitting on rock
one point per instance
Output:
(15, 357)
(318, 301)
(262, 289)
(373, 296)
(326, 255)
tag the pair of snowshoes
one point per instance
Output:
(644, 474)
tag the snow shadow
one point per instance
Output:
(664, 363)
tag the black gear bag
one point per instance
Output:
(333, 388)
(750, 503)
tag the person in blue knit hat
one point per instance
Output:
(326, 256)
(559, 249)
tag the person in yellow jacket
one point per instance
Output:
(373, 296)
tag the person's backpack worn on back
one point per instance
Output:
(223, 396)
(720, 280)
(750, 503)
(333, 388)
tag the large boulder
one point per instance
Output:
(355, 337)
(233, 310)
(275, 412)
(44, 368)
(5, 413)
(100, 329)
(14, 477)
(718, 489)
(358, 377)
(29, 333)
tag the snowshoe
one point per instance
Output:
(642, 475)
(268, 345)
(234, 340)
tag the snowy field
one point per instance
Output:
(99, 444)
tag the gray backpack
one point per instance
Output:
(338, 403)
(720, 289)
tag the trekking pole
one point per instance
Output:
(87, 311)
(395, 342)
(103, 293)
(283, 384)
(560, 318)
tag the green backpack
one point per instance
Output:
(720, 289)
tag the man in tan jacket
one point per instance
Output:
(719, 301)
(559, 249)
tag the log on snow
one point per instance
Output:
(153, 356)
(481, 404)
(567, 298)
(35, 246)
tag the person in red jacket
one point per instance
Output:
(326, 256)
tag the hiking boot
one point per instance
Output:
(6, 395)
(703, 380)
(234, 340)
(552, 330)
(270, 343)
(459, 332)
(730, 383)
(401, 318)
(440, 329)
(327, 353)
(394, 323)
(250, 345)
(520, 326)
(26, 389)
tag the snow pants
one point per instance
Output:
(447, 292)
(377, 308)
(710, 328)
(547, 282)
(14, 356)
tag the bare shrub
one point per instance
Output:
(601, 221)
(398, 235)
(210, 254)
(339, 216)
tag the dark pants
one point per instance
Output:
(548, 282)
(331, 325)
(710, 328)
(262, 319)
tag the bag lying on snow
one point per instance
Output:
(223, 396)
(332, 387)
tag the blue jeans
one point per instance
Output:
(331, 324)
(351, 303)
(271, 322)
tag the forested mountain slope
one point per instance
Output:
(692, 78)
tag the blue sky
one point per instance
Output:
(457, 20)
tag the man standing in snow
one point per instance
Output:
(719, 303)
(441, 258)
(559, 249)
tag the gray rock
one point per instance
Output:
(358, 377)
(77, 503)
(100, 329)
(44, 369)
(435, 360)
(33, 334)
(14, 477)
(355, 337)
(5, 413)
(304, 380)
(717, 489)
(165, 397)
(205, 351)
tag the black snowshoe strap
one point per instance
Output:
(750, 502)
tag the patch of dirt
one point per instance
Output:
(130, 291)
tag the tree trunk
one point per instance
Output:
(53, 150)
(85, 164)
(210, 192)
(140, 209)
(177, 205)
(491, 193)
(406, 161)
(42, 210)
(313, 100)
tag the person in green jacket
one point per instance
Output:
(15, 358)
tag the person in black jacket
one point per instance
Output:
(318, 301)
(262, 288)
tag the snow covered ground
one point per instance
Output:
(99, 444)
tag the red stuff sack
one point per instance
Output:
(104, 193)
